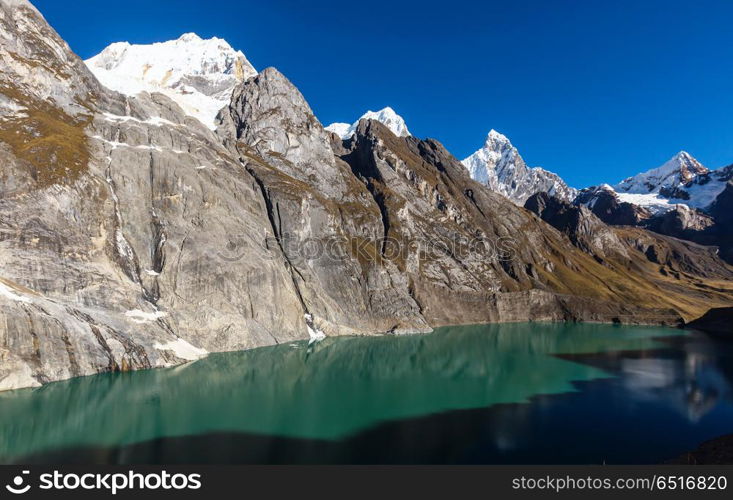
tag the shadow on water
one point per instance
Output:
(524, 393)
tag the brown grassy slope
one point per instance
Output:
(673, 284)
(51, 145)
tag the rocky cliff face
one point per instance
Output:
(583, 228)
(119, 218)
(134, 236)
(722, 213)
(681, 222)
(323, 220)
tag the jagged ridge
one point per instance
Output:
(174, 240)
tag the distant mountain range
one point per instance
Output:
(497, 164)
(681, 198)
(200, 74)
(680, 181)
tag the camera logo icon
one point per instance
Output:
(17, 487)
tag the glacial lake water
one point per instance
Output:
(516, 393)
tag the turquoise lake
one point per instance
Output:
(512, 393)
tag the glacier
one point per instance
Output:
(198, 74)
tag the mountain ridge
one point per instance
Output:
(141, 238)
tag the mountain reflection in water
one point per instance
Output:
(519, 393)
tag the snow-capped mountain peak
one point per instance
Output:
(499, 165)
(494, 137)
(189, 37)
(199, 74)
(681, 180)
(677, 171)
(343, 130)
(386, 116)
(496, 154)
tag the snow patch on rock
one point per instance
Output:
(314, 332)
(139, 316)
(182, 349)
(155, 120)
(653, 202)
(11, 294)
(19, 378)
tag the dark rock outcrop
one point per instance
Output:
(722, 212)
(717, 321)
(714, 228)
(682, 222)
(604, 203)
(722, 208)
(584, 229)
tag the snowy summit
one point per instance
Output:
(386, 116)
(499, 166)
(682, 180)
(198, 74)
(678, 171)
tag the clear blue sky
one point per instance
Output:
(592, 90)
